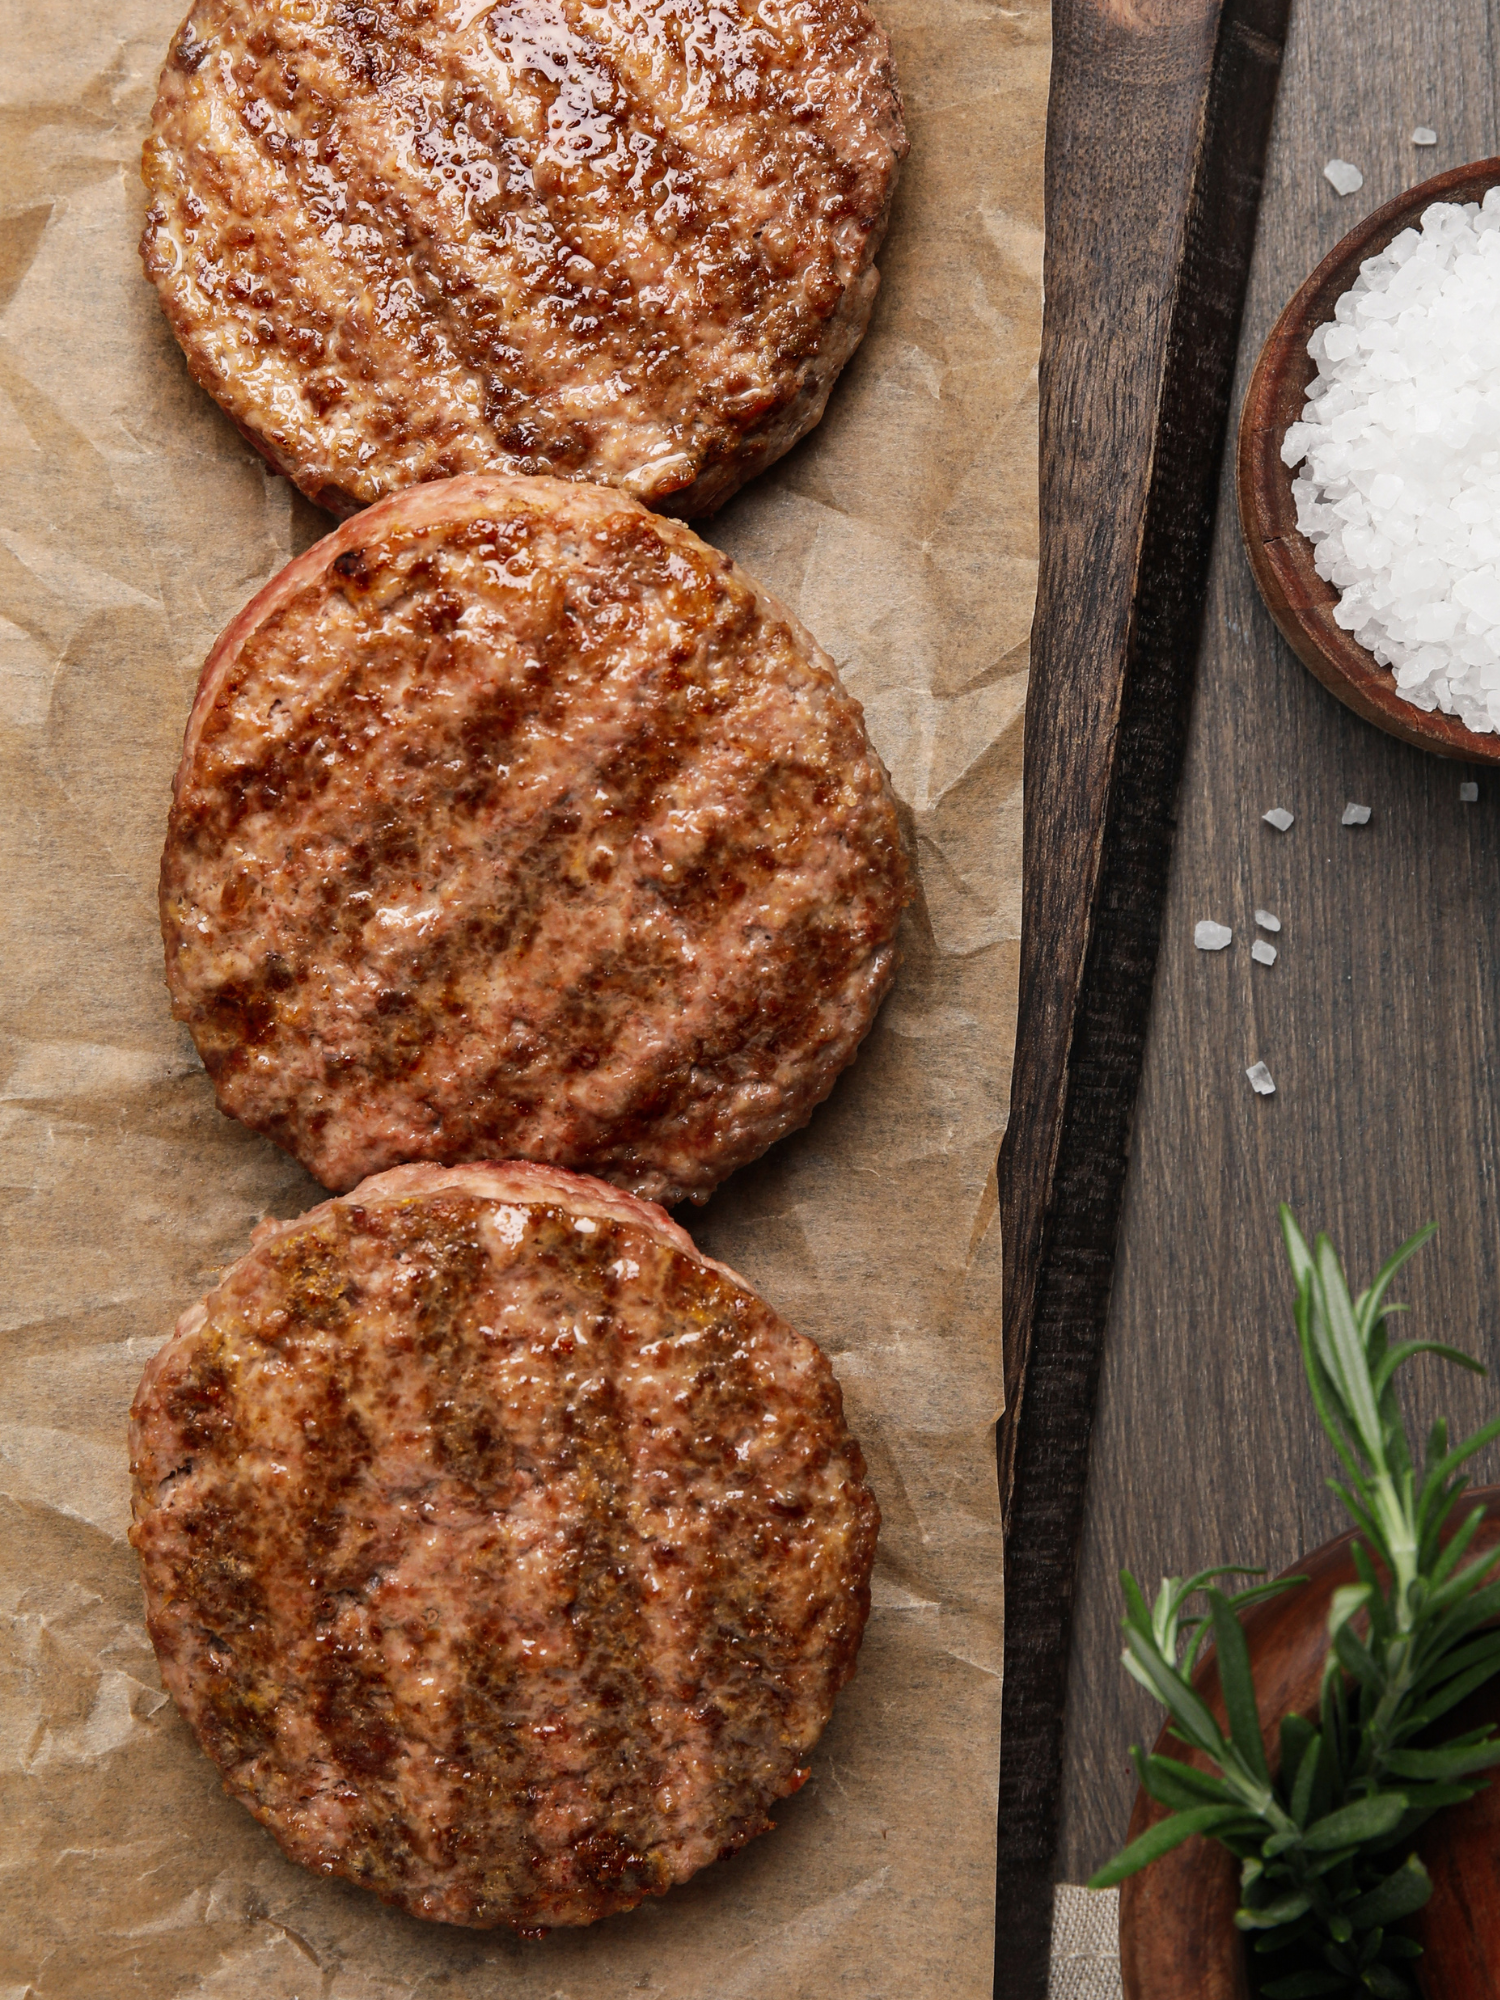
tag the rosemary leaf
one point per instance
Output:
(1285, 1911)
(1161, 1839)
(1439, 1766)
(1401, 1894)
(1180, 1785)
(1237, 1685)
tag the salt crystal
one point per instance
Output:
(1468, 793)
(1278, 817)
(1209, 936)
(1263, 953)
(1346, 177)
(1267, 921)
(1355, 815)
(1260, 1080)
(1424, 136)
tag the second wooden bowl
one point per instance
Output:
(1177, 1934)
(1299, 599)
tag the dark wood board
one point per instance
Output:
(1379, 1020)
(1159, 120)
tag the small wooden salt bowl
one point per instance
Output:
(1177, 1934)
(1299, 599)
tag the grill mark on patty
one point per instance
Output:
(608, 1713)
(616, 1852)
(627, 255)
(746, 1714)
(441, 1245)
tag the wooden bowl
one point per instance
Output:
(1177, 1934)
(1299, 599)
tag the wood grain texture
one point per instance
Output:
(1177, 1935)
(1282, 560)
(1108, 293)
(1378, 1020)
(1148, 255)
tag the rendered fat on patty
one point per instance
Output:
(514, 822)
(625, 241)
(505, 1554)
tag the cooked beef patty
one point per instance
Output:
(505, 1554)
(629, 241)
(514, 822)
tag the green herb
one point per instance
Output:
(1327, 1865)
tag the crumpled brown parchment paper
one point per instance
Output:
(134, 524)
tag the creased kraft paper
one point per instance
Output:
(134, 524)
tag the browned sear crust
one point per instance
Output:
(514, 822)
(629, 241)
(504, 1555)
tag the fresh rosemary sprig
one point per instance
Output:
(1327, 1865)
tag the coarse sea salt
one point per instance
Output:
(1468, 793)
(1263, 953)
(1268, 920)
(1209, 936)
(1399, 450)
(1355, 815)
(1346, 177)
(1260, 1080)
(1424, 136)
(1278, 817)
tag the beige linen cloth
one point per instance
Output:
(1085, 1944)
(135, 523)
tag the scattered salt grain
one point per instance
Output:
(1260, 1080)
(1468, 794)
(1355, 815)
(1278, 817)
(1267, 921)
(1345, 176)
(1399, 454)
(1424, 136)
(1263, 953)
(1209, 936)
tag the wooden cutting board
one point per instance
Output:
(1159, 121)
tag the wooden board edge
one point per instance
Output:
(1056, 1304)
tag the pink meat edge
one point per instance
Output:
(448, 501)
(433, 504)
(514, 1183)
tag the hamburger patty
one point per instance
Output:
(505, 1554)
(512, 821)
(626, 241)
